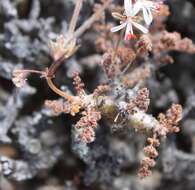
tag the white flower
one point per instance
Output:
(129, 22)
(147, 7)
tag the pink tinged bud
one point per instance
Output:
(57, 48)
(87, 135)
(158, 7)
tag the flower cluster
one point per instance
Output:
(60, 50)
(141, 101)
(131, 17)
(171, 41)
(87, 124)
(148, 161)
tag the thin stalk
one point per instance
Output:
(54, 66)
(34, 71)
(125, 69)
(75, 16)
(117, 46)
(58, 91)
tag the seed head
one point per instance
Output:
(19, 78)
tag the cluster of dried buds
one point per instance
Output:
(141, 101)
(170, 41)
(84, 103)
(138, 119)
(87, 124)
(167, 124)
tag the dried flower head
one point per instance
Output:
(151, 151)
(60, 49)
(87, 135)
(20, 77)
(59, 106)
(140, 101)
(171, 41)
(78, 84)
(55, 105)
(167, 124)
(87, 124)
(101, 89)
(144, 171)
(154, 142)
(171, 119)
(148, 161)
(89, 119)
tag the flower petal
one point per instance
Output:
(137, 7)
(119, 27)
(148, 4)
(150, 15)
(140, 27)
(128, 7)
(147, 15)
(129, 30)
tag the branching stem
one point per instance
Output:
(87, 24)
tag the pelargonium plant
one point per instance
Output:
(123, 98)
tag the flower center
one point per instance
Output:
(130, 36)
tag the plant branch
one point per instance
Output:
(87, 24)
(75, 16)
(58, 91)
